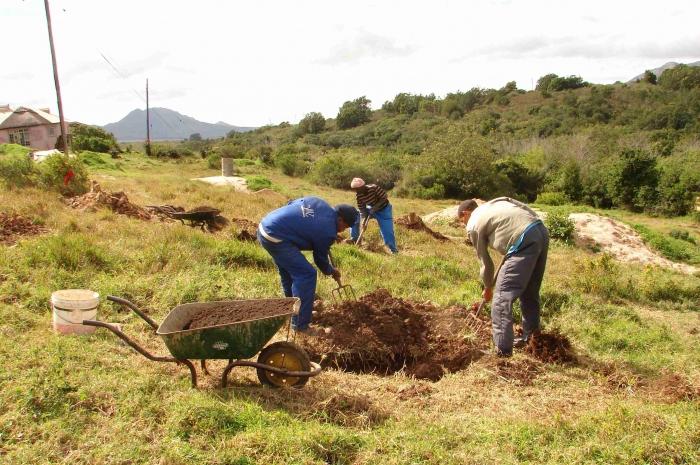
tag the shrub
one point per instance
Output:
(354, 113)
(170, 151)
(54, 173)
(633, 180)
(560, 226)
(337, 171)
(681, 235)
(462, 164)
(668, 247)
(291, 165)
(312, 123)
(553, 198)
(92, 138)
(17, 170)
(214, 161)
(257, 182)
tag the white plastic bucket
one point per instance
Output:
(71, 307)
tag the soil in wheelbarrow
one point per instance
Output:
(232, 312)
(383, 334)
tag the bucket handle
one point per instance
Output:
(136, 310)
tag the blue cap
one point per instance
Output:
(347, 212)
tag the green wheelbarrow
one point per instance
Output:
(279, 364)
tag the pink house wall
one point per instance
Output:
(41, 137)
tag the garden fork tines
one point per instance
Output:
(343, 293)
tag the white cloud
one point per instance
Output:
(253, 63)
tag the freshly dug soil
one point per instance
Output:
(231, 312)
(550, 348)
(414, 222)
(13, 226)
(383, 334)
(118, 202)
(247, 230)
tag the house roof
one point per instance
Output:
(24, 117)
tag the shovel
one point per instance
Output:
(342, 293)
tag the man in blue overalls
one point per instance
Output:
(308, 223)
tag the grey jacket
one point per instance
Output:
(497, 224)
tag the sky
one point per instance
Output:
(263, 62)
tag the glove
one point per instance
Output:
(487, 295)
(336, 274)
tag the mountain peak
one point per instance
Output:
(167, 124)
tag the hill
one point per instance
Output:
(658, 71)
(167, 124)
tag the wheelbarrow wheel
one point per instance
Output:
(285, 355)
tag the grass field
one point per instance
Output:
(632, 398)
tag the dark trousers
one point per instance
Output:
(520, 277)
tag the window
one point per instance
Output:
(20, 136)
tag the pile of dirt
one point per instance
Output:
(164, 212)
(619, 240)
(447, 216)
(243, 310)
(247, 230)
(415, 223)
(13, 226)
(550, 348)
(118, 202)
(672, 387)
(383, 334)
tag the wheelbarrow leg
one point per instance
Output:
(193, 371)
(203, 363)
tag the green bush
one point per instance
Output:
(312, 123)
(337, 171)
(170, 151)
(553, 198)
(92, 138)
(670, 248)
(17, 170)
(214, 161)
(354, 113)
(292, 165)
(560, 226)
(257, 182)
(54, 174)
(681, 235)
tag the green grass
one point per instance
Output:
(670, 247)
(91, 399)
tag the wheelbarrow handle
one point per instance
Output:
(156, 358)
(136, 310)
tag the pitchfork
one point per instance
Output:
(342, 293)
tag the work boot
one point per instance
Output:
(313, 331)
(520, 342)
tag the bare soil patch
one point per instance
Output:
(415, 223)
(247, 230)
(672, 387)
(232, 312)
(118, 202)
(620, 241)
(14, 226)
(383, 334)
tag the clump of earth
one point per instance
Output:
(383, 334)
(14, 226)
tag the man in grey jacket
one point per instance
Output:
(513, 230)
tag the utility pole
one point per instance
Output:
(148, 124)
(64, 129)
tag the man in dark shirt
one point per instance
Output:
(308, 223)
(372, 201)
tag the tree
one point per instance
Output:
(312, 123)
(633, 180)
(354, 113)
(93, 138)
(195, 136)
(649, 77)
(681, 77)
